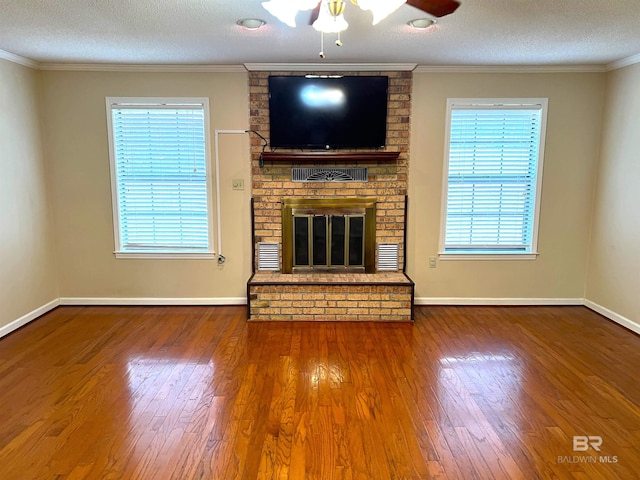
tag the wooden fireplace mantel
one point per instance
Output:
(329, 156)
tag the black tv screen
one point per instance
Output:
(328, 113)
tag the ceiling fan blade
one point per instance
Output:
(315, 13)
(437, 8)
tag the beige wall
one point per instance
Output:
(76, 139)
(74, 115)
(572, 144)
(74, 118)
(27, 267)
(613, 280)
(577, 228)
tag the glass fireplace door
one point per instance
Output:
(328, 242)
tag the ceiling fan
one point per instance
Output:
(436, 8)
(327, 15)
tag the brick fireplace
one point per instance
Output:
(328, 280)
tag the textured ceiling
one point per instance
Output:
(480, 32)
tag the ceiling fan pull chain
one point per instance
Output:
(321, 44)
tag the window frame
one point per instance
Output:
(159, 102)
(452, 103)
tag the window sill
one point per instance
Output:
(488, 256)
(167, 255)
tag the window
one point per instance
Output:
(159, 153)
(493, 177)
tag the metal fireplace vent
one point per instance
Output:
(310, 174)
(388, 256)
(268, 256)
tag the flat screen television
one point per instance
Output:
(328, 112)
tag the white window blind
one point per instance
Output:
(493, 178)
(159, 169)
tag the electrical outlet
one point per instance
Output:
(237, 184)
(432, 262)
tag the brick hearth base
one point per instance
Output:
(380, 297)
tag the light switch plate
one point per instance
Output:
(237, 184)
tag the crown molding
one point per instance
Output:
(12, 57)
(624, 62)
(329, 67)
(153, 68)
(510, 69)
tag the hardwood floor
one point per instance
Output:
(197, 392)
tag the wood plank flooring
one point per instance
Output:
(199, 393)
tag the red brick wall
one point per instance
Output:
(387, 180)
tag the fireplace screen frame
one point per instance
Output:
(349, 207)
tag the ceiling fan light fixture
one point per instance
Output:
(286, 10)
(421, 23)
(380, 9)
(330, 24)
(331, 17)
(251, 23)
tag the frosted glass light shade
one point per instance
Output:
(327, 23)
(381, 9)
(286, 10)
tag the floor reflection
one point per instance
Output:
(474, 387)
(165, 396)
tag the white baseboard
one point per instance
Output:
(496, 301)
(16, 324)
(152, 301)
(611, 315)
